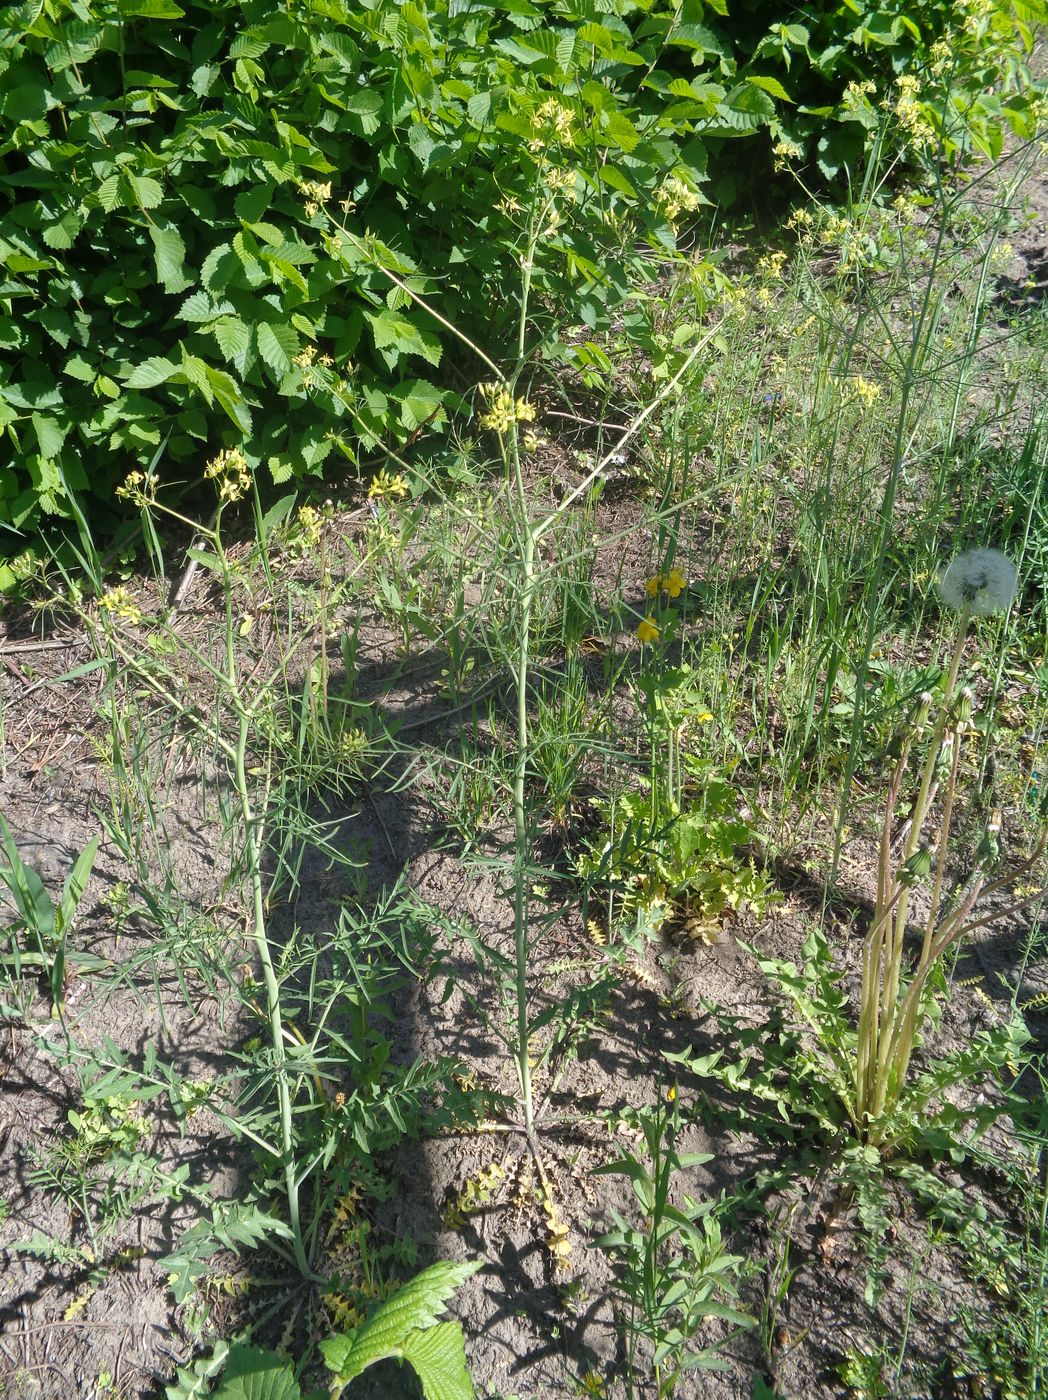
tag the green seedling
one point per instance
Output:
(673, 1273)
(39, 937)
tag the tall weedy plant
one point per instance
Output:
(977, 584)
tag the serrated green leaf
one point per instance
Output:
(150, 373)
(198, 308)
(420, 402)
(148, 192)
(151, 9)
(415, 1307)
(438, 1356)
(233, 336)
(110, 195)
(50, 434)
(280, 469)
(770, 85)
(621, 131)
(478, 108)
(62, 235)
(79, 368)
(278, 345)
(253, 1374)
(392, 330)
(230, 398)
(170, 252)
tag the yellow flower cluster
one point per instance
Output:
(856, 95)
(676, 198)
(230, 473)
(648, 631)
(137, 488)
(910, 112)
(771, 265)
(861, 390)
(316, 195)
(118, 602)
(308, 525)
(673, 583)
(559, 120)
(308, 362)
(786, 150)
(503, 409)
(387, 486)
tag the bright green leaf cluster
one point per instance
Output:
(220, 217)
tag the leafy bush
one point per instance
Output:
(213, 204)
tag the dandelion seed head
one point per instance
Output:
(979, 580)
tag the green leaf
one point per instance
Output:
(253, 1374)
(771, 85)
(363, 108)
(420, 402)
(278, 345)
(233, 336)
(394, 331)
(50, 434)
(150, 373)
(25, 103)
(151, 9)
(170, 253)
(110, 194)
(74, 887)
(147, 192)
(198, 307)
(62, 235)
(621, 131)
(415, 1307)
(27, 890)
(230, 398)
(438, 1356)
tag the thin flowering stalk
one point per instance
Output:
(978, 583)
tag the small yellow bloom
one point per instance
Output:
(386, 484)
(652, 586)
(230, 473)
(674, 583)
(648, 631)
(118, 602)
(504, 410)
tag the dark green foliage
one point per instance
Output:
(175, 274)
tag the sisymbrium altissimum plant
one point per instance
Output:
(978, 583)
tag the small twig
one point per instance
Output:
(181, 593)
(586, 422)
(382, 825)
(13, 648)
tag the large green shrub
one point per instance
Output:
(173, 274)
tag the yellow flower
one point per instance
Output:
(230, 473)
(504, 409)
(674, 583)
(118, 602)
(648, 631)
(386, 485)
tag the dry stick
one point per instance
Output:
(14, 648)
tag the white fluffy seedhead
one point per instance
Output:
(981, 580)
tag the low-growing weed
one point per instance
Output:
(39, 938)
